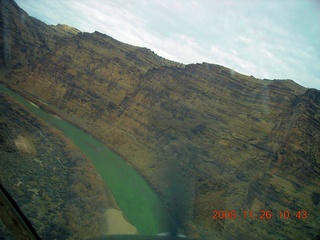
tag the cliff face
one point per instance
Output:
(205, 137)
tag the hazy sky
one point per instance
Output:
(273, 39)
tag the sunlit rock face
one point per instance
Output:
(205, 137)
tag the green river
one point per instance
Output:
(133, 194)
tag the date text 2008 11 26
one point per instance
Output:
(262, 214)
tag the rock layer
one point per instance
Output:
(205, 137)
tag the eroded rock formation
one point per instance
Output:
(205, 137)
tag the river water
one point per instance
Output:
(132, 193)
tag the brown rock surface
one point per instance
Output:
(205, 137)
(49, 179)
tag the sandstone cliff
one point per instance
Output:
(205, 137)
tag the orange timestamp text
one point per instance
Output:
(262, 214)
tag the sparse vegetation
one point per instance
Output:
(237, 142)
(56, 186)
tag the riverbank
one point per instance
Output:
(132, 192)
(117, 224)
(52, 182)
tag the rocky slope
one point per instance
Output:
(205, 137)
(50, 180)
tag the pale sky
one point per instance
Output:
(273, 39)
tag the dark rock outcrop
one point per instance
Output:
(234, 142)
